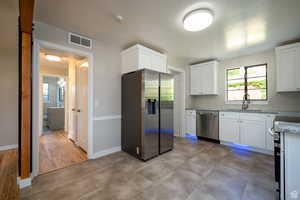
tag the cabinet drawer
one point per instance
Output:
(230, 115)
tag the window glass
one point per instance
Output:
(46, 92)
(250, 80)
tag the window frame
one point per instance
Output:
(252, 101)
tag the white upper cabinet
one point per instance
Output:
(139, 57)
(203, 79)
(288, 68)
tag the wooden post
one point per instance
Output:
(26, 17)
(25, 105)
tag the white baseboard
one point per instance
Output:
(249, 148)
(105, 152)
(24, 182)
(7, 147)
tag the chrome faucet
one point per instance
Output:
(246, 102)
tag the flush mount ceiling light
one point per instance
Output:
(198, 20)
(85, 64)
(53, 58)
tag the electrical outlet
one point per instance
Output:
(294, 194)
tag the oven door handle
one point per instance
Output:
(271, 132)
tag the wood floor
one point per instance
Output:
(57, 151)
(8, 175)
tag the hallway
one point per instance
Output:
(57, 151)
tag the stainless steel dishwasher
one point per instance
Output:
(207, 125)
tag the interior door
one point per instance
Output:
(72, 119)
(82, 107)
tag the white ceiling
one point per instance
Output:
(240, 26)
(63, 64)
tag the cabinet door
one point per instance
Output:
(193, 124)
(158, 62)
(204, 79)
(207, 74)
(188, 119)
(253, 133)
(287, 65)
(229, 130)
(195, 83)
(144, 60)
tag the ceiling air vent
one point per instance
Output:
(79, 40)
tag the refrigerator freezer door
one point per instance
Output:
(166, 139)
(132, 113)
(150, 115)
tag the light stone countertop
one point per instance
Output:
(256, 111)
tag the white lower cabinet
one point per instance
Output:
(246, 129)
(229, 130)
(252, 133)
(190, 122)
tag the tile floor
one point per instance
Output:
(194, 170)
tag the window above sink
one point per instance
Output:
(248, 80)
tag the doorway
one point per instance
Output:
(179, 101)
(63, 136)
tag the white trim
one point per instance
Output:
(249, 148)
(176, 69)
(256, 102)
(36, 96)
(8, 147)
(182, 73)
(109, 117)
(106, 152)
(24, 182)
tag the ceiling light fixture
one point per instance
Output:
(53, 58)
(198, 20)
(85, 64)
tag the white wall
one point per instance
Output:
(107, 85)
(277, 102)
(9, 98)
(9, 81)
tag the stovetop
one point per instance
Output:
(287, 124)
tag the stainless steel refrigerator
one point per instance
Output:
(147, 113)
